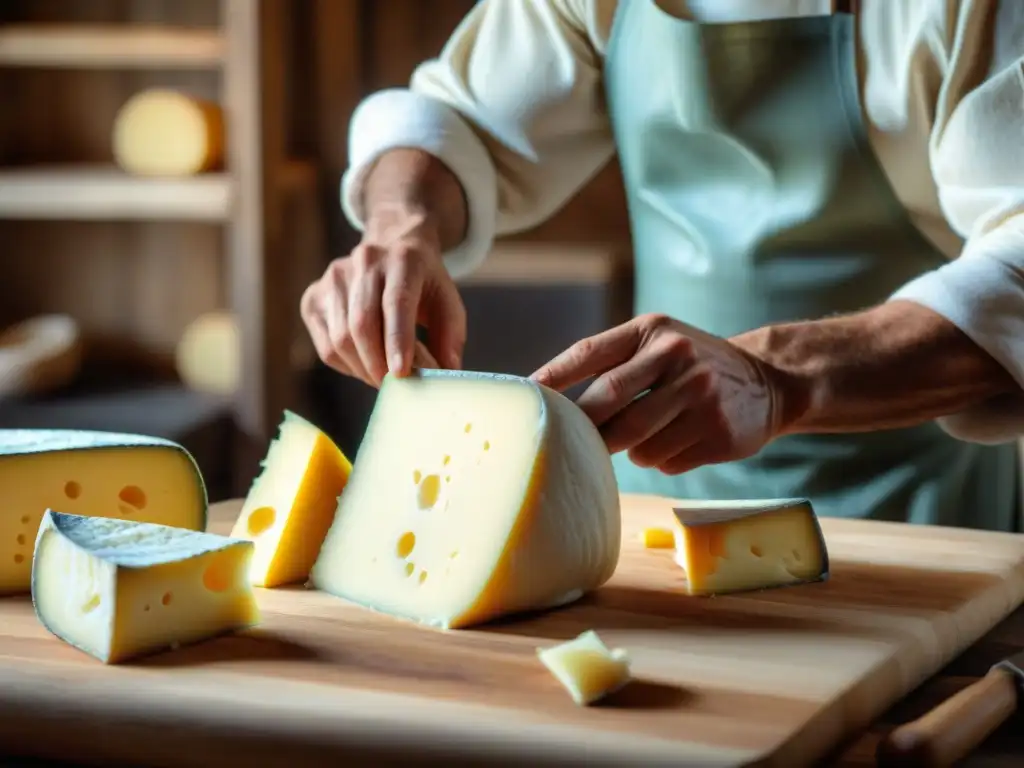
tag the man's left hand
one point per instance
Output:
(708, 400)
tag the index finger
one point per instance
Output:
(589, 357)
(400, 302)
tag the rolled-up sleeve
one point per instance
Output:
(513, 106)
(977, 157)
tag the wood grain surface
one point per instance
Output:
(780, 677)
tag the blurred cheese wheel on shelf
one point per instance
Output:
(39, 355)
(209, 355)
(162, 132)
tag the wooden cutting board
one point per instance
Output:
(775, 678)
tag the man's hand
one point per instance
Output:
(708, 400)
(362, 314)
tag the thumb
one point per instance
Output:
(445, 320)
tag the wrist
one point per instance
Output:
(793, 389)
(389, 223)
(411, 190)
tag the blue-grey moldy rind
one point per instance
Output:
(68, 526)
(23, 442)
(62, 523)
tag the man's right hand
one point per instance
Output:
(362, 314)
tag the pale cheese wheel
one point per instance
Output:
(209, 354)
(162, 132)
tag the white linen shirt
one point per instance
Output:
(514, 106)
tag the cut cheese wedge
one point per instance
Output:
(291, 505)
(117, 589)
(473, 496)
(734, 546)
(105, 474)
(161, 132)
(586, 668)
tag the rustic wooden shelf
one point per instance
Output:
(110, 46)
(103, 192)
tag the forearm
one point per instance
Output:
(410, 188)
(895, 365)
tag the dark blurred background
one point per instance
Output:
(136, 265)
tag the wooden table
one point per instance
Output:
(1004, 749)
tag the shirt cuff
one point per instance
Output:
(982, 293)
(403, 119)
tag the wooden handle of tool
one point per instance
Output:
(955, 727)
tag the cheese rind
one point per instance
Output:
(105, 474)
(292, 502)
(118, 589)
(473, 496)
(586, 667)
(735, 546)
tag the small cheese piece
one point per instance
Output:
(733, 546)
(160, 132)
(118, 589)
(105, 474)
(586, 667)
(291, 505)
(473, 496)
(657, 538)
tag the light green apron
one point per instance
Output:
(755, 198)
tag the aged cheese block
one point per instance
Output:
(586, 668)
(291, 505)
(160, 132)
(732, 546)
(473, 495)
(118, 589)
(105, 474)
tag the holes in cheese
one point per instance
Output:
(260, 520)
(160, 132)
(733, 546)
(535, 518)
(291, 504)
(89, 473)
(586, 667)
(96, 580)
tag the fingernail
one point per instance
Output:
(395, 365)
